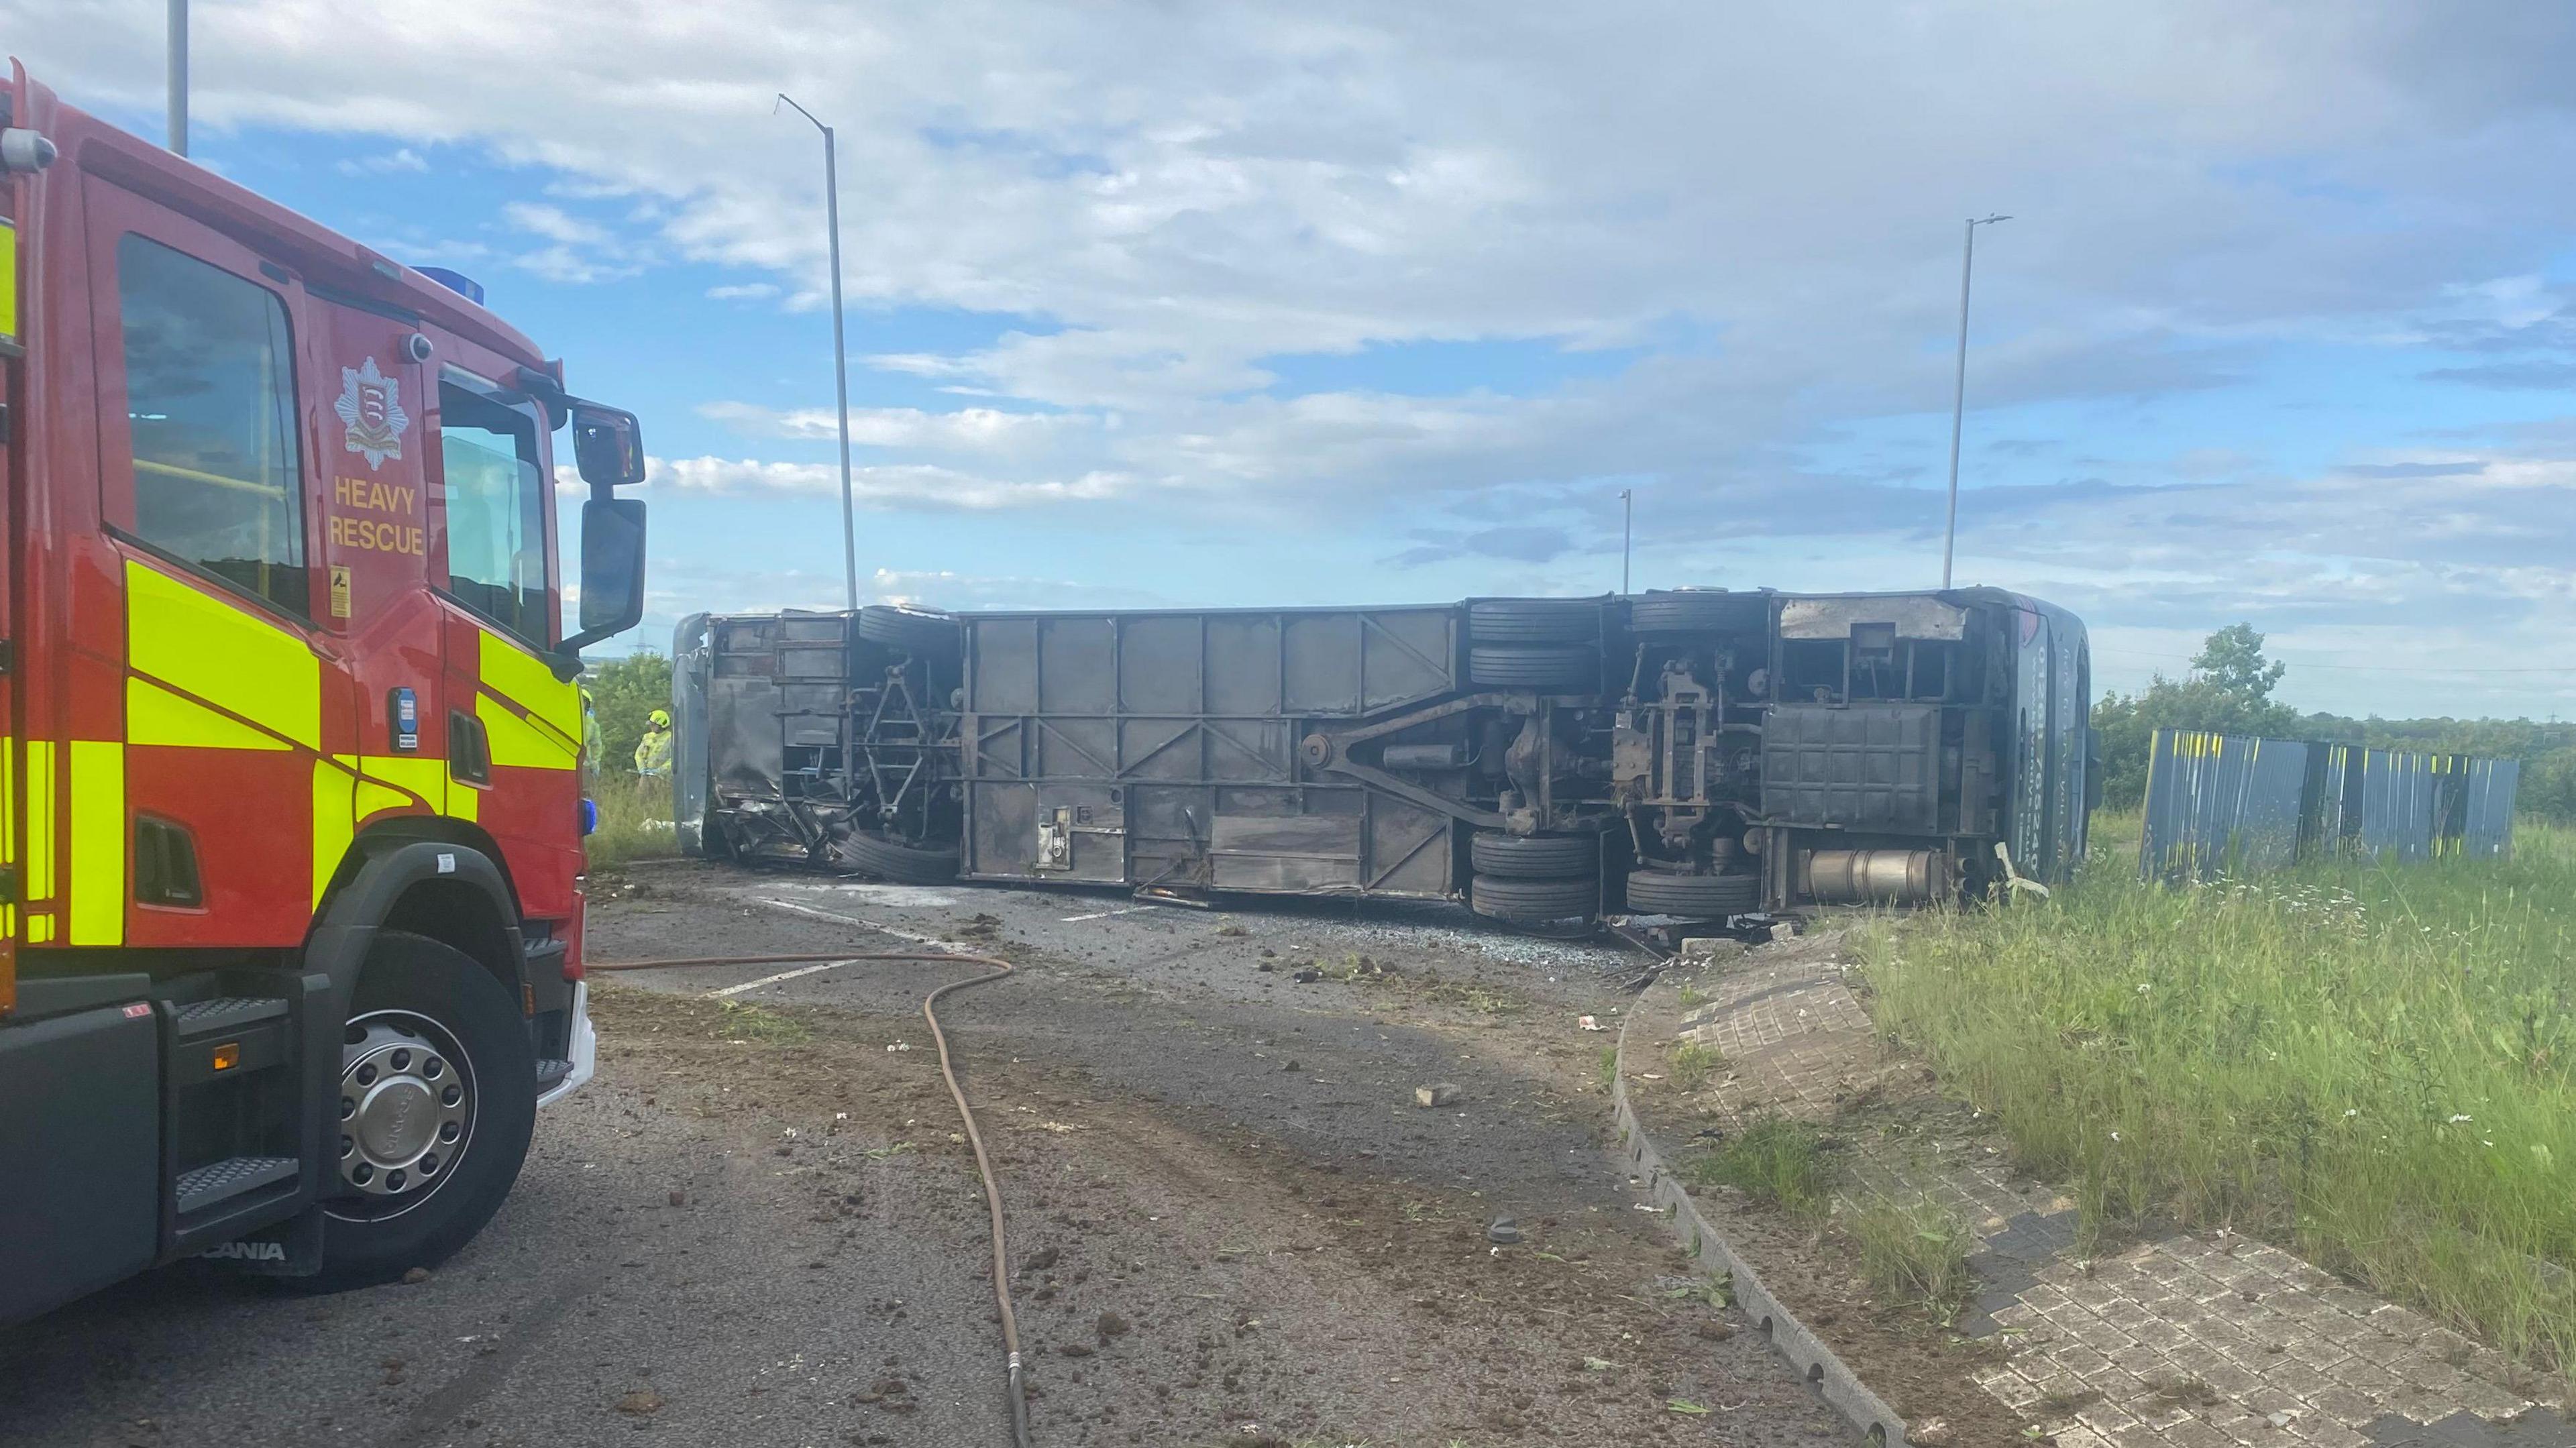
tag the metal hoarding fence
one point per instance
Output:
(2229, 804)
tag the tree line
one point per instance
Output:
(2228, 689)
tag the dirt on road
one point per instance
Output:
(1232, 1222)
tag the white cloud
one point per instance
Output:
(402, 158)
(581, 252)
(911, 485)
(980, 430)
(1763, 199)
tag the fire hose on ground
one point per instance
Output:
(998, 968)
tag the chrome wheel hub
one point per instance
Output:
(406, 1107)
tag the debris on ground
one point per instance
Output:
(1586, 1023)
(1504, 1231)
(415, 1277)
(1440, 1093)
(641, 1403)
(1712, 947)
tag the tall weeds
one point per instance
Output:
(2373, 1064)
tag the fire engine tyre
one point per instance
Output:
(1534, 902)
(1656, 892)
(893, 860)
(438, 1095)
(1528, 666)
(1534, 857)
(916, 630)
(1534, 621)
(1689, 611)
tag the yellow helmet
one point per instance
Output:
(659, 718)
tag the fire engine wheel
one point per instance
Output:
(1658, 892)
(438, 1095)
(1533, 666)
(917, 630)
(1534, 621)
(1534, 857)
(893, 860)
(1535, 902)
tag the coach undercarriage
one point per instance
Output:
(1698, 754)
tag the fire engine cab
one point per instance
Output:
(290, 749)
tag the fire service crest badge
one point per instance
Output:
(370, 408)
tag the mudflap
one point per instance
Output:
(292, 1248)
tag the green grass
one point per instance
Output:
(634, 820)
(737, 1021)
(2375, 1066)
(1690, 1064)
(1915, 1253)
(1772, 1159)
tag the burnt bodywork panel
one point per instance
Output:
(1695, 752)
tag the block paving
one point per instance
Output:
(2195, 1340)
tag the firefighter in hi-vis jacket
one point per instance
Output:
(653, 752)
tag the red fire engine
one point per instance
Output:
(290, 803)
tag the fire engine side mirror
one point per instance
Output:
(612, 575)
(608, 445)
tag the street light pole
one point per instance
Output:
(179, 77)
(1959, 393)
(840, 353)
(1627, 532)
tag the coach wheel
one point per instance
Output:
(1658, 892)
(1535, 857)
(1699, 610)
(1533, 666)
(914, 630)
(1534, 902)
(894, 860)
(1534, 621)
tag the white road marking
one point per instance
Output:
(1105, 914)
(794, 908)
(735, 990)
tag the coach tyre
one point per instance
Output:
(438, 1095)
(1534, 666)
(1695, 611)
(1534, 621)
(1661, 892)
(1534, 857)
(1533, 902)
(894, 860)
(915, 630)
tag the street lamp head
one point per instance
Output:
(800, 110)
(1980, 221)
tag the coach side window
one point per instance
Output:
(210, 403)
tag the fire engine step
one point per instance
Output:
(551, 1072)
(234, 1175)
(223, 1014)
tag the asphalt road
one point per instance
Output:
(1231, 1222)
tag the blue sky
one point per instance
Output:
(1253, 304)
